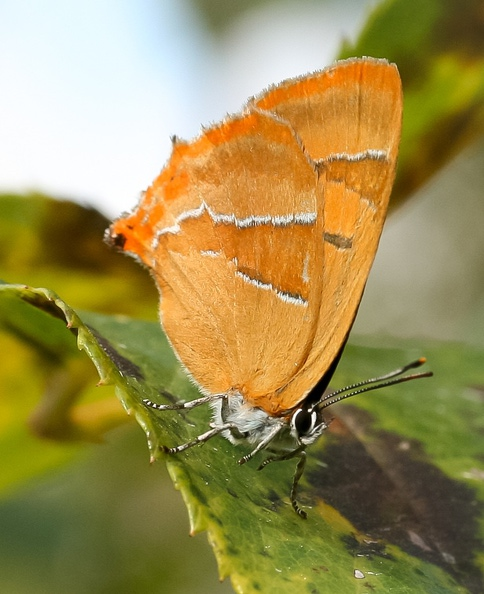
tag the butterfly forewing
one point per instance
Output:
(348, 118)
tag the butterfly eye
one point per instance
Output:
(304, 421)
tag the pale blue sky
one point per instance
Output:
(92, 91)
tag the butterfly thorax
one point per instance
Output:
(252, 425)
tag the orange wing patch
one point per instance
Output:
(261, 233)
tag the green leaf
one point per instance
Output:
(57, 243)
(394, 490)
(438, 46)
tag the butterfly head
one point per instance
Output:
(306, 424)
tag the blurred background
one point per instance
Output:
(94, 91)
(91, 93)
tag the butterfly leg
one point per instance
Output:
(295, 482)
(200, 439)
(263, 444)
(301, 453)
(182, 405)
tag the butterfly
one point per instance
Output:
(260, 235)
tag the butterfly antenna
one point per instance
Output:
(375, 383)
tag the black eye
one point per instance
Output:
(304, 421)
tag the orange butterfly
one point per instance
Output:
(260, 235)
